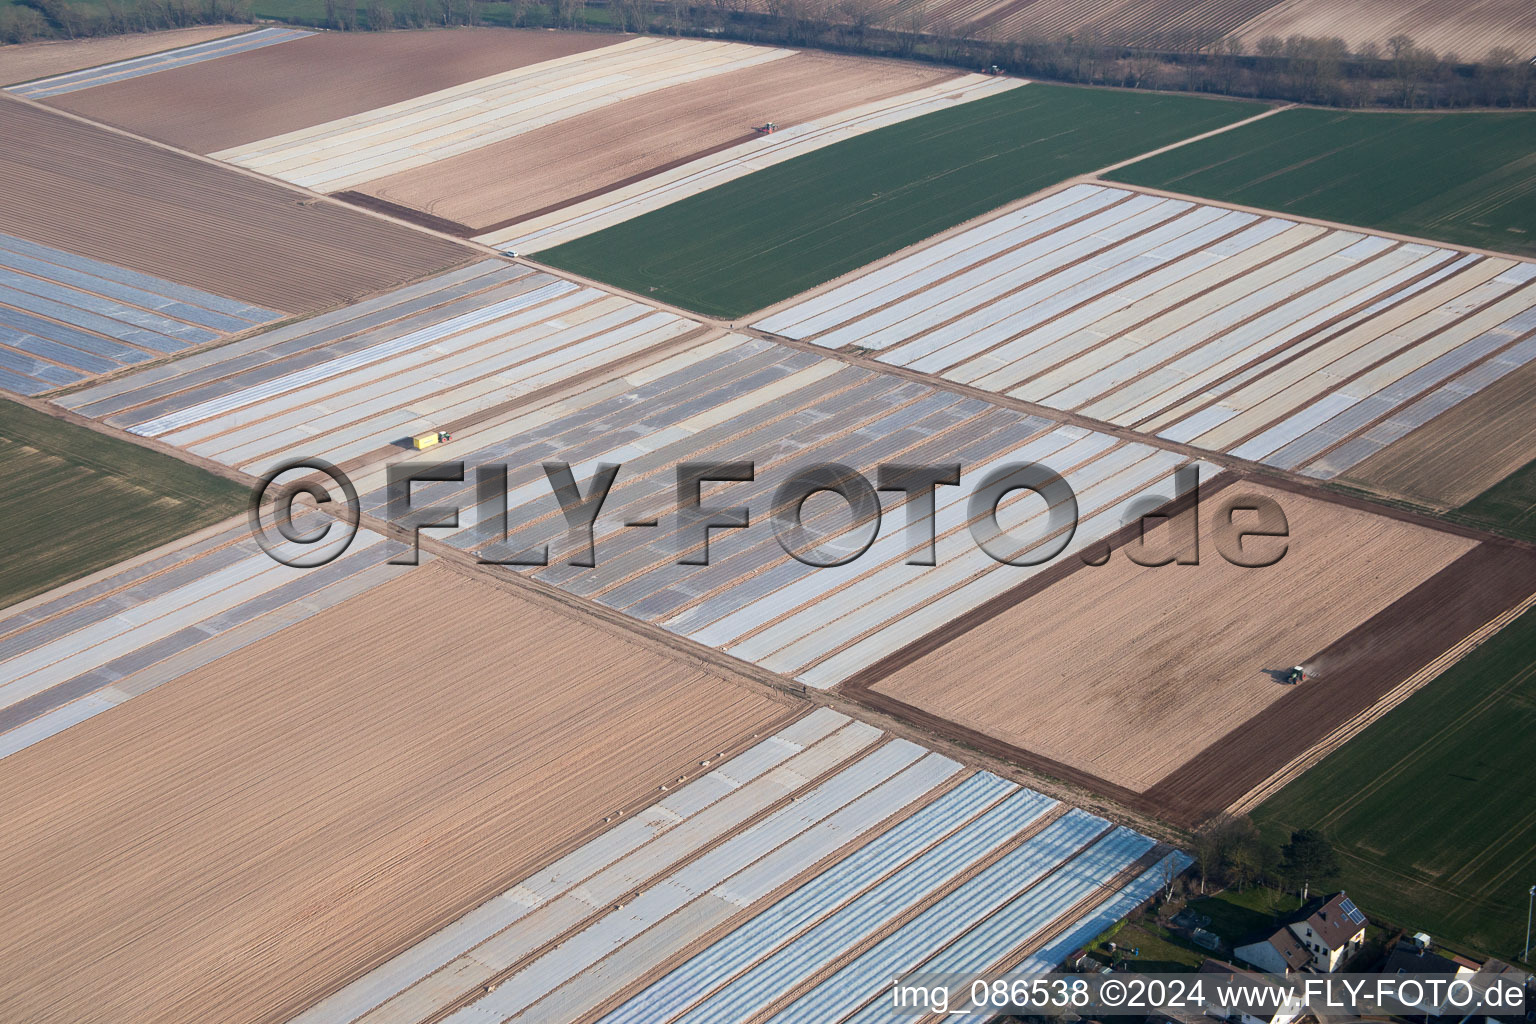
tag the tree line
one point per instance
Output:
(1231, 852)
(1397, 72)
(1394, 73)
(60, 19)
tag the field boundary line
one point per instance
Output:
(679, 648)
(1083, 178)
(1264, 473)
(592, 282)
(916, 247)
(1301, 218)
(1358, 724)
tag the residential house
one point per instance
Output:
(1284, 1009)
(1419, 958)
(1281, 953)
(1321, 942)
(1333, 934)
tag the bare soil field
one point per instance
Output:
(589, 154)
(1365, 665)
(1183, 712)
(96, 192)
(1086, 670)
(27, 61)
(237, 843)
(1136, 22)
(255, 95)
(1461, 453)
(1466, 28)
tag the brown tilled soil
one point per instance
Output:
(1467, 28)
(57, 56)
(1175, 23)
(99, 193)
(1125, 673)
(594, 152)
(1458, 455)
(250, 96)
(237, 843)
(1357, 670)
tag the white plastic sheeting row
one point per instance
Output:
(706, 172)
(352, 150)
(64, 318)
(337, 388)
(1287, 343)
(902, 835)
(843, 905)
(748, 400)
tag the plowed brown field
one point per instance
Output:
(1459, 455)
(227, 102)
(237, 843)
(56, 56)
(1125, 673)
(1467, 28)
(592, 153)
(99, 193)
(1174, 23)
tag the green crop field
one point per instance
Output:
(770, 235)
(1466, 177)
(1431, 808)
(1508, 507)
(76, 501)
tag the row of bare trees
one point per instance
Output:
(1397, 72)
(1231, 852)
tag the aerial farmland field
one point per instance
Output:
(748, 516)
(1182, 670)
(340, 814)
(761, 239)
(556, 165)
(1420, 804)
(87, 190)
(1467, 178)
(63, 56)
(243, 97)
(1468, 30)
(1308, 349)
(60, 482)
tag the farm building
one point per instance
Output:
(1320, 943)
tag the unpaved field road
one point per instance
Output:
(27, 61)
(277, 89)
(285, 818)
(105, 195)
